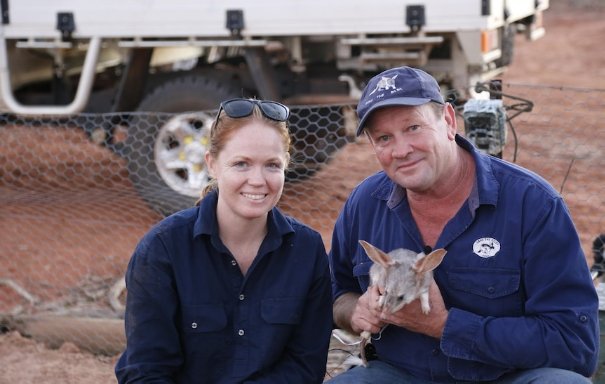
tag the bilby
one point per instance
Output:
(403, 276)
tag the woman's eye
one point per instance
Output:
(382, 139)
(240, 164)
(413, 128)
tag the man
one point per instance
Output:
(512, 301)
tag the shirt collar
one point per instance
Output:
(485, 189)
(207, 224)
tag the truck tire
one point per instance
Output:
(164, 151)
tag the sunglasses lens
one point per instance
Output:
(275, 111)
(237, 108)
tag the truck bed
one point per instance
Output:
(148, 19)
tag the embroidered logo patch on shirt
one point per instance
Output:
(486, 247)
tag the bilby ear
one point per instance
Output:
(430, 261)
(376, 254)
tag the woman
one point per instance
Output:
(232, 290)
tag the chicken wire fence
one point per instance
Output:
(78, 192)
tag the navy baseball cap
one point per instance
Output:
(397, 86)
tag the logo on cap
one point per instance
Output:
(384, 84)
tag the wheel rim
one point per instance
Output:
(179, 152)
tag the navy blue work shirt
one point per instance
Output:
(515, 279)
(193, 317)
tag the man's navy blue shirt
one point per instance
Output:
(515, 279)
(193, 317)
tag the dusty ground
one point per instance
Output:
(570, 55)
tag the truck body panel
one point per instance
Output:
(206, 19)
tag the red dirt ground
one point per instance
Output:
(570, 55)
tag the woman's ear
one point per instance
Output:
(287, 161)
(210, 164)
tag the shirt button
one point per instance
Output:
(194, 325)
(435, 352)
(241, 332)
(233, 262)
(491, 289)
(242, 297)
(583, 318)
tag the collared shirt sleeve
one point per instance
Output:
(341, 263)
(560, 325)
(153, 352)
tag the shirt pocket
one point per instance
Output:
(286, 310)
(204, 318)
(486, 291)
(361, 272)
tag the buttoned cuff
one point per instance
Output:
(460, 334)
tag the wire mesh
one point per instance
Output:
(78, 192)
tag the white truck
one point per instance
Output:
(64, 57)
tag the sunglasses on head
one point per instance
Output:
(237, 108)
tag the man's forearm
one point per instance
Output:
(343, 310)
